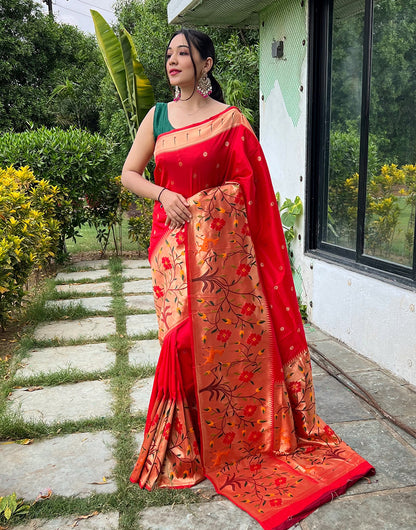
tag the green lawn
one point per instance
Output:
(88, 242)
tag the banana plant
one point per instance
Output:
(126, 71)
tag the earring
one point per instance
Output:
(204, 86)
(177, 95)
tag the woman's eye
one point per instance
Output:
(183, 53)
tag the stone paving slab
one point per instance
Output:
(136, 273)
(399, 400)
(142, 301)
(344, 358)
(385, 510)
(93, 264)
(144, 352)
(86, 357)
(82, 275)
(102, 521)
(394, 462)
(139, 286)
(135, 263)
(137, 324)
(221, 514)
(316, 369)
(140, 395)
(89, 399)
(335, 403)
(103, 287)
(314, 334)
(96, 303)
(87, 328)
(68, 465)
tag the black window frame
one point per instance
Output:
(319, 60)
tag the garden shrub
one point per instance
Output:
(106, 210)
(29, 232)
(140, 226)
(79, 162)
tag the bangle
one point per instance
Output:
(158, 197)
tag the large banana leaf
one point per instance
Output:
(127, 73)
(139, 87)
(111, 50)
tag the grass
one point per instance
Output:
(87, 240)
(129, 500)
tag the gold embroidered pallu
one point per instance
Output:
(233, 397)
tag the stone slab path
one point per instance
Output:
(75, 464)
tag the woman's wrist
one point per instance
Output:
(160, 193)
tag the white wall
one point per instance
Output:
(375, 318)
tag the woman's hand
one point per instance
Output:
(176, 208)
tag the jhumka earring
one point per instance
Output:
(177, 95)
(204, 86)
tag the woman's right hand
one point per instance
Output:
(176, 208)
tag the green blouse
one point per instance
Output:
(161, 123)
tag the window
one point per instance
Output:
(362, 134)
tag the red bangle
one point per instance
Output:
(158, 197)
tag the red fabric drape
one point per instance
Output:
(233, 398)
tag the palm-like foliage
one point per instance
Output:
(126, 71)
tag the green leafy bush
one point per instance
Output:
(140, 226)
(29, 232)
(106, 209)
(79, 162)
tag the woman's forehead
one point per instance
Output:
(178, 41)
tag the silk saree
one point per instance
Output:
(233, 397)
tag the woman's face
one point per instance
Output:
(179, 66)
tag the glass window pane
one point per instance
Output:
(391, 183)
(344, 128)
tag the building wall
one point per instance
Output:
(374, 317)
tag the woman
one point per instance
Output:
(233, 398)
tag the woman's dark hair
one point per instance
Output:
(205, 47)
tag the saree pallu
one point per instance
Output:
(233, 398)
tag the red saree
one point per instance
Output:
(233, 397)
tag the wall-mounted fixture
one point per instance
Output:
(277, 49)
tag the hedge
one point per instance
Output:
(29, 232)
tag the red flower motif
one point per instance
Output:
(254, 436)
(295, 387)
(166, 431)
(180, 237)
(239, 199)
(217, 223)
(178, 425)
(158, 291)
(243, 269)
(246, 376)
(276, 502)
(249, 410)
(228, 438)
(224, 335)
(245, 230)
(166, 263)
(280, 481)
(328, 430)
(255, 467)
(253, 339)
(248, 309)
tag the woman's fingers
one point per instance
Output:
(176, 208)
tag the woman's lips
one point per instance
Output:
(174, 72)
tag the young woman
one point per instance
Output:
(233, 397)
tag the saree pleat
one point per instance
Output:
(233, 341)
